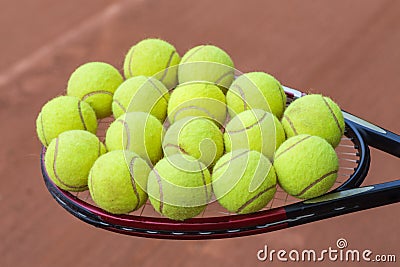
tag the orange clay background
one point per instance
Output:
(348, 50)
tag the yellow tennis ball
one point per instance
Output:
(69, 158)
(139, 132)
(314, 115)
(62, 114)
(153, 57)
(197, 137)
(244, 181)
(207, 63)
(95, 83)
(179, 187)
(256, 90)
(254, 129)
(118, 181)
(197, 99)
(306, 166)
(140, 93)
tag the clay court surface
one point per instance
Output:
(348, 50)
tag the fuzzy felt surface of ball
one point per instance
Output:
(118, 180)
(314, 115)
(179, 187)
(69, 158)
(62, 114)
(153, 57)
(95, 83)
(244, 181)
(306, 166)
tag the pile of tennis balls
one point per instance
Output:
(187, 131)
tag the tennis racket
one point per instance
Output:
(282, 212)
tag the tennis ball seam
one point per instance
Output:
(292, 146)
(86, 96)
(55, 166)
(168, 65)
(81, 115)
(130, 61)
(193, 107)
(158, 89)
(203, 178)
(290, 124)
(223, 76)
(133, 182)
(44, 135)
(242, 95)
(251, 125)
(91, 188)
(281, 94)
(119, 105)
(248, 202)
(176, 146)
(128, 134)
(333, 115)
(231, 159)
(158, 178)
(315, 182)
(194, 52)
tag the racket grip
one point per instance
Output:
(375, 136)
(343, 202)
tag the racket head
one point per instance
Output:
(215, 222)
